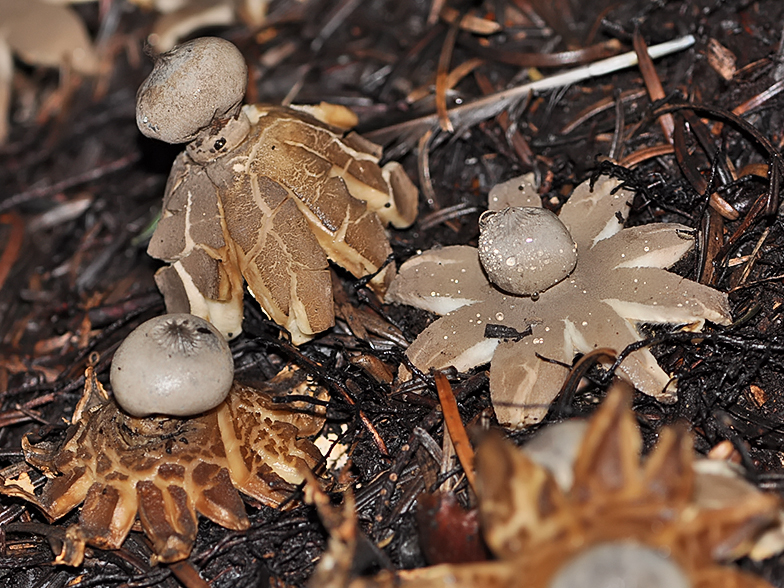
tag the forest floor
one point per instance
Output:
(80, 188)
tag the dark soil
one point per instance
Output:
(79, 283)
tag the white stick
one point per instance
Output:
(609, 65)
(496, 103)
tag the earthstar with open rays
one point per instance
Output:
(168, 469)
(618, 282)
(623, 520)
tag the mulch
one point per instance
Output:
(80, 188)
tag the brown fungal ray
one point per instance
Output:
(536, 528)
(615, 497)
(514, 192)
(168, 469)
(298, 157)
(292, 194)
(203, 277)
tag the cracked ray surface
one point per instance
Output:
(271, 211)
(167, 470)
(619, 281)
(536, 529)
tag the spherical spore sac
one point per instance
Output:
(175, 364)
(190, 87)
(611, 565)
(525, 250)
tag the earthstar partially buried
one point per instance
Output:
(624, 521)
(267, 195)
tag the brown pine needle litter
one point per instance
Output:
(82, 192)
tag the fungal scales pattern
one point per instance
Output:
(168, 469)
(618, 282)
(271, 211)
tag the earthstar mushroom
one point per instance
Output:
(545, 536)
(619, 281)
(167, 470)
(175, 365)
(266, 195)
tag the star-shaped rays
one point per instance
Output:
(167, 470)
(619, 282)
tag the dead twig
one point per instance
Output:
(13, 245)
(467, 115)
(186, 573)
(641, 155)
(88, 176)
(653, 83)
(601, 106)
(517, 141)
(444, 60)
(469, 22)
(454, 424)
(590, 54)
